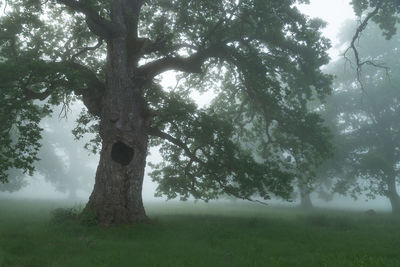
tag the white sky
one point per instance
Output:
(335, 13)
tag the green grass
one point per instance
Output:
(187, 234)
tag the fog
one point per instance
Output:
(39, 188)
(334, 12)
(199, 133)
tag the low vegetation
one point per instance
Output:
(187, 234)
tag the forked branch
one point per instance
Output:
(359, 64)
(191, 64)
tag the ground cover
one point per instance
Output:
(189, 234)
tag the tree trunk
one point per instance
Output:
(393, 195)
(117, 194)
(305, 199)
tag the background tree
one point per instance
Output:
(63, 162)
(384, 13)
(368, 120)
(305, 155)
(262, 58)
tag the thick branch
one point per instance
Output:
(92, 96)
(91, 77)
(191, 64)
(31, 95)
(98, 25)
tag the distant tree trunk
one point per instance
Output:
(305, 199)
(393, 195)
(117, 194)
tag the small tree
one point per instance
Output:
(262, 58)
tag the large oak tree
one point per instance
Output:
(262, 59)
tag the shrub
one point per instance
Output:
(62, 215)
(76, 214)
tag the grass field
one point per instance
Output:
(190, 234)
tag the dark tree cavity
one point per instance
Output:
(121, 153)
(262, 58)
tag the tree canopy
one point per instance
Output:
(261, 58)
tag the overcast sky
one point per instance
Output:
(335, 13)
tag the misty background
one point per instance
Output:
(67, 169)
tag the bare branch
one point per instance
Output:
(65, 108)
(231, 191)
(257, 201)
(353, 47)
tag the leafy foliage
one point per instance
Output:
(261, 58)
(386, 18)
(63, 162)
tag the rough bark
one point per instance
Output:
(124, 116)
(117, 194)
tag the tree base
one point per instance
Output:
(111, 217)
